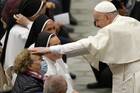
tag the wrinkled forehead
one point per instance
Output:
(97, 14)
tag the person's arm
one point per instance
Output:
(24, 26)
(62, 49)
(72, 49)
(29, 25)
(90, 44)
(20, 32)
(83, 46)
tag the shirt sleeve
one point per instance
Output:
(29, 25)
(24, 34)
(21, 32)
(72, 49)
(89, 45)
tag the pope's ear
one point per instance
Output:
(107, 17)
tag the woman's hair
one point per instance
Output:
(22, 61)
(10, 8)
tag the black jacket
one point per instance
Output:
(136, 11)
(27, 84)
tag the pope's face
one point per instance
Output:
(100, 20)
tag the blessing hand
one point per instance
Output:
(39, 50)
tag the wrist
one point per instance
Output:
(29, 24)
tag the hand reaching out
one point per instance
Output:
(39, 50)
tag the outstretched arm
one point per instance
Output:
(88, 45)
(71, 48)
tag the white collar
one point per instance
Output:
(116, 18)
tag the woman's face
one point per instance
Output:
(50, 27)
(54, 41)
(36, 63)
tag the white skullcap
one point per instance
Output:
(105, 7)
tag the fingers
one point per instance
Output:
(15, 16)
(32, 50)
(35, 52)
(39, 50)
(18, 16)
(22, 20)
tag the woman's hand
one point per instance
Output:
(22, 20)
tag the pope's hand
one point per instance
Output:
(39, 50)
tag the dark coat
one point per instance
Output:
(27, 84)
(136, 11)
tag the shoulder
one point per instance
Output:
(28, 84)
(121, 23)
(22, 77)
(17, 28)
(125, 20)
(25, 79)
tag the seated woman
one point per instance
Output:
(29, 80)
(56, 66)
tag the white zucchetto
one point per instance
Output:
(105, 7)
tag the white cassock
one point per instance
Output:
(118, 45)
(16, 42)
(59, 68)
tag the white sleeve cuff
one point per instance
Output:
(56, 49)
(29, 25)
